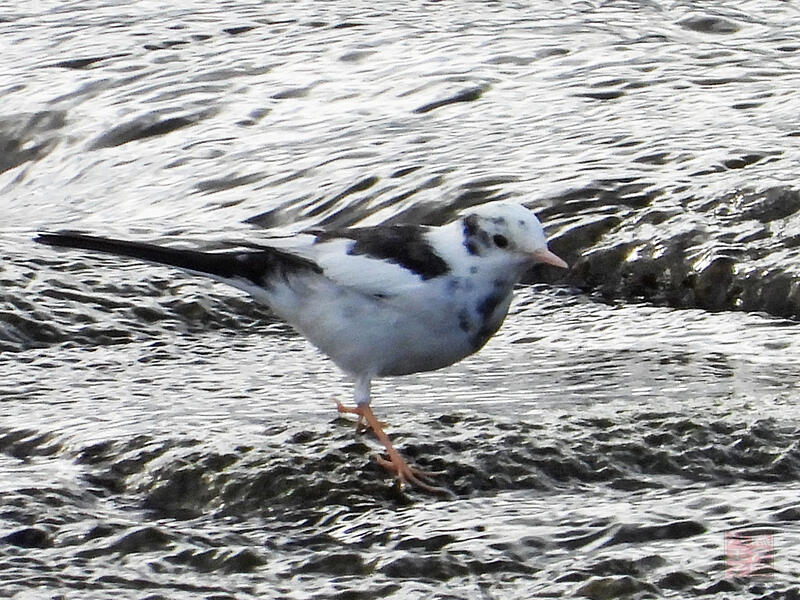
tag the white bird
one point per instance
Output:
(379, 301)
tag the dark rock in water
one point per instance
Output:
(709, 24)
(207, 561)
(28, 137)
(337, 564)
(788, 514)
(669, 531)
(771, 205)
(29, 537)
(443, 567)
(678, 580)
(605, 588)
(720, 586)
(711, 258)
(713, 287)
(142, 539)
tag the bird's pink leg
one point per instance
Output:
(361, 424)
(396, 463)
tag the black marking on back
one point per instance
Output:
(257, 266)
(404, 245)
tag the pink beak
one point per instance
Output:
(544, 255)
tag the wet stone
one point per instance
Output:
(606, 588)
(29, 537)
(677, 580)
(144, 539)
(669, 531)
(439, 567)
(338, 564)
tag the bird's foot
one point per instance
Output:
(405, 473)
(396, 463)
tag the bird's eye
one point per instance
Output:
(500, 241)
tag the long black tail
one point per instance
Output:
(256, 265)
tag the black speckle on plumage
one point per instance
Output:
(475, 238)
(471, 225)
(486, 307)
(464, 322)
(488, 327)
(470, 229)
(485, 310)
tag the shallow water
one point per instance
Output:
(161, 437)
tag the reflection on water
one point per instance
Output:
(163, 437)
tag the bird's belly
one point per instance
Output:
(381, 341)
(373, 336)
(427, 351)
(428, 342)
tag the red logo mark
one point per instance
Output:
(748, 553)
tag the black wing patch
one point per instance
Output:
(404, 245)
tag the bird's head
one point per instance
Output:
(509, 228)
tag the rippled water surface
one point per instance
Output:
(162, 437)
